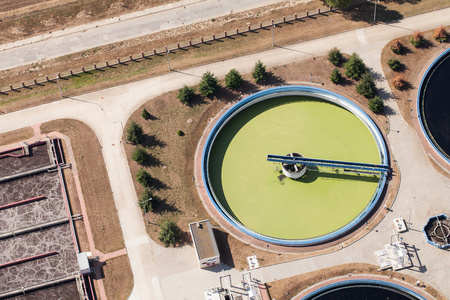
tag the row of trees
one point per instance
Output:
(209, 85)
(355, 68)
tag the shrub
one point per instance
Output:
(335, 56)
(140, 155)
(186, 94)
(135, 134)
(170, 233)
(394, 64)
(144, 178)
(416, 39)
(396, 46)
(355, 67)
(339, 3)
(440, 34)
(233, 79)
(376, 104)
(144, 200)
(209, 84)
(335, 76)
(259, 72)
(366, 87)
(399, 82)
(145, 114)
(180, 133)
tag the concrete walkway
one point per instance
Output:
(125, 27)
(161, 273)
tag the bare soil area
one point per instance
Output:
(16, 136)
(325, 24)
(414, 62)
(294, 285)
(117, 286)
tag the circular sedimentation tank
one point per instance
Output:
(367, 289)
(433, 104)
(257, 198)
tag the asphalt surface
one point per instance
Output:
(133, 25)
(161, 273)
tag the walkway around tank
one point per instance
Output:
(161, 273)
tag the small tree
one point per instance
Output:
(135, 134)
(145, 114)
(335, 76)
(147, 201)
(140, 155)
(186, 94)
(376, 104)
(339, 3)
(399, 82)
(416, 39)
(259, 72)
(355, 67)
(396, 46)
(170, 233)
(394, 64)
(209, 84)
(233, 79)
(144, 178)
(440, 34)
(366, 87)
(335, 56)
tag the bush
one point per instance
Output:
(209, 84)
(144, 178)
(376, 104)
(416, 39)
(145, 203)
(180, 133)
(335, 56)
(396, 46)
(399, 82)
(186, 94)
(233, 79)
(394, 64)
(355, 67)
(135, 134)
(170, 233)
(335, 76)
(145, 114)
(440, 34)
(259, 72)
(366, 87)
(140, 155)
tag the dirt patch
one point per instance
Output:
(16, 136)
(414, 61)
(117, 286)
(292, 32)
(294, 285)
(94, 183)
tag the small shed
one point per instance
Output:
(205, 243)
(83, 263)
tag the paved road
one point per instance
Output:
(118, 29)
(161, 273)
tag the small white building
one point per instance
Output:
(83, 263)
(205, 243)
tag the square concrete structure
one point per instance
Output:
(204, 243)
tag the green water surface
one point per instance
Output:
(247, 185)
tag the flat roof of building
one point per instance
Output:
(204, 240)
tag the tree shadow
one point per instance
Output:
(226, 95)
(364, 13)
(427, 44)
(403, 1)
(185, 239)
(274, 80)
(197, 100)
(377, 76)
(152, 141)
(152, 161)
(165, 207)
(224, 247)
(158, 184)
(388, 111)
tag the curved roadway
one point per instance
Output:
(161, 273)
